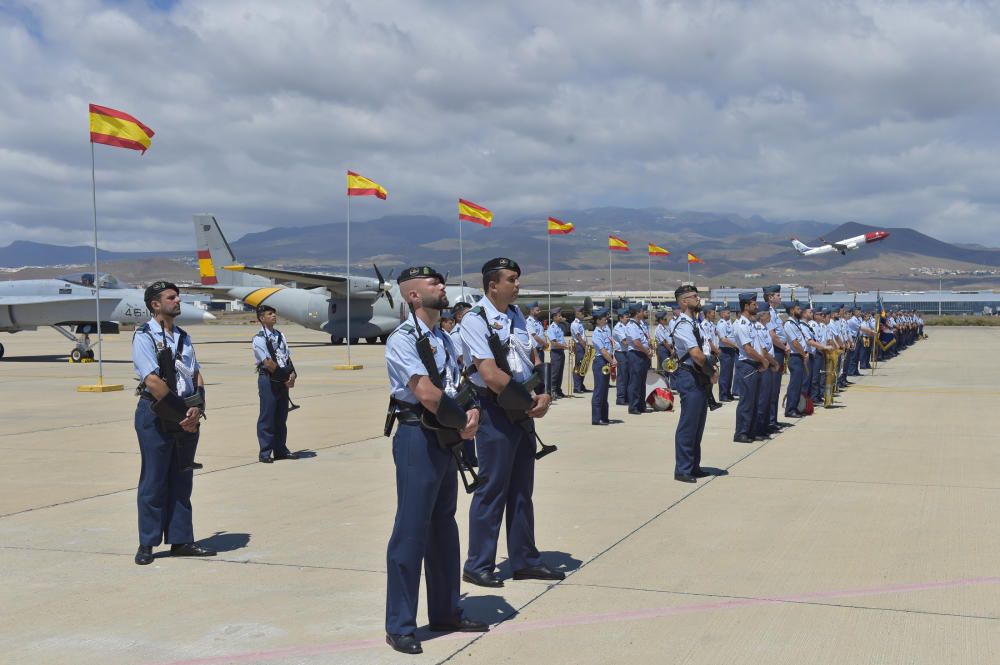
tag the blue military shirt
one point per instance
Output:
(535, 328)
(683, 337)
(744, 332)
(507, 325)
(635, 331)
(793, 333)
(577, 330)
(775, 325)
(402, 360)
(149, 339)
(601, 339)
(619, 336)
(260, 352)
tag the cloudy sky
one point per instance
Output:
(879, 112)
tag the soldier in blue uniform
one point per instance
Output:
(498, 345)
(637, 340)
(762, 420)
(661, 335)
(171, 404)
(603, 357)
(424, 531)
(772, 295)
(557, 353)
(749, 367)
(620, 339)
(275, 377)
(539, 342)
(687, 344)
(579, 335)
(798, 357)
(729, 352)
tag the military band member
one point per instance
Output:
(708, 332)
(424, 532)
(687, 344)
(579, 335)
(661, 335)
(620, 339)
(499, 347)
(749, 368)
(798, 358)
(772, 296)
(638, 358)
(539, 342)
(869, 332)
(557, 352)
(275, 377)
(603, 357)
(729, 352)
(171, 404)
(853, 325)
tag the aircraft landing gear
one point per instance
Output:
(336, 340)
(354, 340)
(371, 340)
(1, 350)
(83, 352)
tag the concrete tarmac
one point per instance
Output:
(864, 534)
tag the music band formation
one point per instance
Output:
(467, 383)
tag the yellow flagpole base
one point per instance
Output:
(349, 367)
(100, 388)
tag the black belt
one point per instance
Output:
(406, 413)
(147, 396)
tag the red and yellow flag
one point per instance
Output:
(358, 185)
(476, 214)
(656, 250)
(557, 228)
(121, 130)
(616, 244)
(693, 259)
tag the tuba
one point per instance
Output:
(584, 366)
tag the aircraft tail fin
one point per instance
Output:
(214, 253)
(803, 248)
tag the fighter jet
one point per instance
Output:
(66, 304)
(844, 246)
(376, 306)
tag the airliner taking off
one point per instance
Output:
(844, 246)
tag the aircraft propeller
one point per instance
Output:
(385, 287)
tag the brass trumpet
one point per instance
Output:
(606, 369)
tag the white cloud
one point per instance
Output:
(880, 112)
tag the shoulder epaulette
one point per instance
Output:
(476, 309)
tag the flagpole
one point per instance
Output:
(689, 271)
(548, 271)
(97, 277)
(649, 267)
(348, 279)
(611, 282)
(461, 258)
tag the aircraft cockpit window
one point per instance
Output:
(105, 280)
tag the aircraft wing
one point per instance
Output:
(839, 247)
(43, 300)
(336, 283)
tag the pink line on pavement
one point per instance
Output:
(590, 619)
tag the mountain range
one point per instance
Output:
(730, 245)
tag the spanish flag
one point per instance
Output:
(121, 130)
(656, 250)
(557, 228)
(693, 259)
(471, 212)
(616, 244)
(358, 185)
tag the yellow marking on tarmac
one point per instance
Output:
(925, 390)
(255, 298)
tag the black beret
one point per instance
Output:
(156, 288)
(684, 289)
(501, 263)
(417, 272)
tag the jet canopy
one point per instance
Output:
(105, 280)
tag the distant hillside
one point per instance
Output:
(24, 253)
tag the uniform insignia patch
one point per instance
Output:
(497, 325)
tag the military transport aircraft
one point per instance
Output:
(376, 307)
(844, 246)
(67, 303)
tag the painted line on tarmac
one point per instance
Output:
(504, 628)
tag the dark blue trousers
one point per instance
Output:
(866, 355)
(775, 397)
(637, 364)
(424, 533)
(599, 399)
(507, 460)
(164, 496)
(762, 418)
(817, 375)
(796, 372)
(557, 360)
(272, 429)
(727, 362)
(578, 386)
(690, 423)
(748, 382)
(544, 387)
(621, 380)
